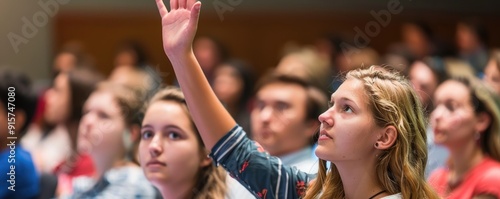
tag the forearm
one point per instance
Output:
(209, 115)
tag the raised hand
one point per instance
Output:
(179, 25)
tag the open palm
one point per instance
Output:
(179, 25)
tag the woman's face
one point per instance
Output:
(423, 81)
(102, 126)
(492, 76)
(453, 118)
(348, 130)
(58, 101)
(228, 86)
(169, 151)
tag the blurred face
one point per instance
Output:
(348, 128)
(126, 58)
(492, 76)
(278, 118)
(423, 81)
(205, 51)
(228, 85)
(169, 150)
(64, 62)
(58, 101)
(102, 126)
(467, 40)
(415, 39)
(453, 119)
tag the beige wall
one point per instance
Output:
(32, 53)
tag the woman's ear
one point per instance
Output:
(483, 121)
(205, 159)
(135, 132)
(387, 138)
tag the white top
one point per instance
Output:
(304, 160)
(394, 196)
(49, 151)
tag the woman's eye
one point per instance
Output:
(146, 135)
(174, 135)
(347, 109)
(330, 104)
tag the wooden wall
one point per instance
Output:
(257, 38)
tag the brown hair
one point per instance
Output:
(486, 101)
(211, 182)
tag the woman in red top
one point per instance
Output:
(466, 120)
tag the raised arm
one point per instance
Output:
(179, 28)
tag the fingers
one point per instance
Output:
(174, 4)
(195, 14)
(190, 3)
(182, 4)
(161, 7)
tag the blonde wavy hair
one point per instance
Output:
(211, 180)
(400, 169)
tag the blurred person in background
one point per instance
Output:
(109, 131)
(131, 53)
(284, 119)
(471, 40)
(492, 71)
(54, 149)
(425, 76)
(211, 53)
(233, 85)
(466, 120)
(21, 105)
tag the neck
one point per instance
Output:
(465, 157)
(176, 190)
(103, 164)
(358, 179)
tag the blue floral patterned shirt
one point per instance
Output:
(263, 175)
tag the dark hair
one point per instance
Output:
(424, 28)
(138, 50)
(316, 101)
(484, 100)
(25, 99)
(437, 66)
(478, 28)
(246, 74)
(222, 51)
(82, 83)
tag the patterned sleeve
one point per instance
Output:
(263, 175)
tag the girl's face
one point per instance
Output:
(169, 151)
(453, 118)
(492, 76)
(348, 130)
(58, 101)
(102, 126)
